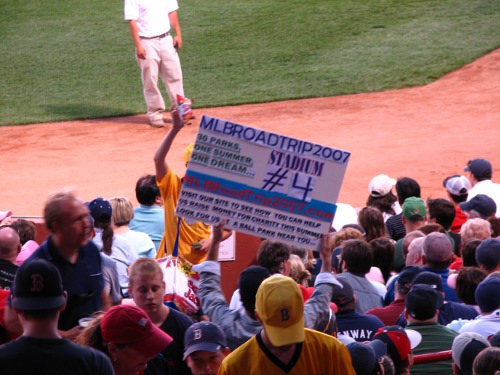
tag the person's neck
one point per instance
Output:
(68, 253)
(121, 229)
(40, 329)
(283, 353)
(158, 317)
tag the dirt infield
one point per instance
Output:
(425, 132)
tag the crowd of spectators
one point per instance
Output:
(408, 286)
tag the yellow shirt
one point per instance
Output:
(319, 354)
(170, 187)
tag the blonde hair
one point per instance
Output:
(123, 211)
(475, 228)
(337, 238)
(298, 270)
(144, 266)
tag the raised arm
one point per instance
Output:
(160, 156)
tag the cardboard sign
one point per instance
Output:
(262, 183)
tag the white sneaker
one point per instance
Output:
(156, 122)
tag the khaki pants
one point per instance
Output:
(161, 60)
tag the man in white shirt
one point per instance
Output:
(480, 176)
(156, 51)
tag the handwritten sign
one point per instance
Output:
(262, 183)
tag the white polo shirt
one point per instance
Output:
(151, 15)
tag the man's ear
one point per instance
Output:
(63, 307)
(257, 317)
(225, 351)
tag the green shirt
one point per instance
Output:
(435, 338)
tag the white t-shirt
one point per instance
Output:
(489, 188)
(151, 15)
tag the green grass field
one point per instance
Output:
(62, 60)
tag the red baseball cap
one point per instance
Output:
(124, 324)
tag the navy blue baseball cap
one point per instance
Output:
(101, 210)
(38, 286)
(479, 168)
(206, 336)
(482, 204)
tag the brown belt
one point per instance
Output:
(154, 37)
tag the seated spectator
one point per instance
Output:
(488, 299)
(122, 214)
(365, 357)
(149, 217)
(475, 228)
(487, 362)
(414, 217)
(10, 246)
(466, 283)
(442, 212)
(38, 298)
(405, 187)
(437, 257)
(457, 188)
(5, 218)
(495, 226)
(382, 197)
(127, 336)
(488, 255)
(468, 252)
(390, 313)
(27, 236)
(422, 304)
(119, 249)
(449, 310)
(412, 256)
(372, 221)
(481, 173)
(465, 349)
(383, 253)
(400, 343)
(481, 206)
(240, 327)
(355, 261)
(359, 326)
(284, 345)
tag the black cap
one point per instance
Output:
(38, 286)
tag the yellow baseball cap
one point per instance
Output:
(187, 153)
(280, 306)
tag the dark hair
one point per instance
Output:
(458, 198)
(487, 362)
(431, 228)
(467, 281)
(92, 334)
(383, 254)
(372, 221)
(358, 256)
(107, 236)
(383, 203)
(40, 314)
(407, 187)
(26, 230)
(495, 226)
(442, 210)
(272, 255)
(468, 252)
(146, 190)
